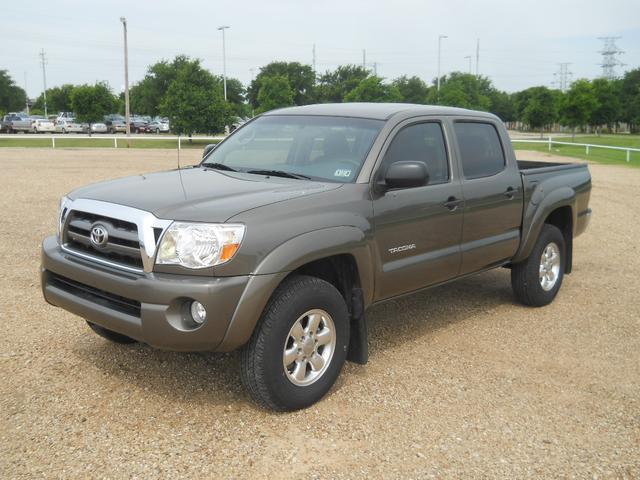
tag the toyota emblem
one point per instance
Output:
(99, 235)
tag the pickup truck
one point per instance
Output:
(285, 234)
(14, 123)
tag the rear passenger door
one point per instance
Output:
(493, 195)
(417, 230)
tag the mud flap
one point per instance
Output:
(359, 335)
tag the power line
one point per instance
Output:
(610, 60)
(562, 77)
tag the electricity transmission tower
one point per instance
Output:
(562, 77)
(610, 60)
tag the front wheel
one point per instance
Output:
(299, 346)
(536, 280)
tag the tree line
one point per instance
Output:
(193, 100)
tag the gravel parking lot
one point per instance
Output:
(462, 382)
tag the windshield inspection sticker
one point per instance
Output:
(342, 173)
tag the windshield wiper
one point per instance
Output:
(280, 173)
(219, 166)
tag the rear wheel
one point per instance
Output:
(110, 334)
(299, 346)
(537, 280)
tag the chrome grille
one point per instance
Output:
(123, 242)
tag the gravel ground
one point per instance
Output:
(461, 382)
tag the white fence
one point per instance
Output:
(587, 146)
(121, 139)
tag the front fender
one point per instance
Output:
(286, 258)
(537, 211)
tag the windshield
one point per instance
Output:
(324, 148)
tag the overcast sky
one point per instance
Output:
(521, 43)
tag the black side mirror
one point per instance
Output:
(208, 148)
(406, 175)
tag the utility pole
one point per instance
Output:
(25, 91)
(364, 59)
(375, 69)
(252, 70)
(224, 60)
(314, 57)
(609, 57)
(126, 83)
(440, 37)
(468, 57)
(562, 77)
(477, 58)
(44, 79)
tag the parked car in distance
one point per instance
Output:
(99, 128)
(14, 123)
(156, 126)
(117, 126)
(297, 223)
(115, 123)
(42, 125)
(69, 125)
(137, 124)
(65, 116)
(237, 123)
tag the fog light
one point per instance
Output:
(198, 312)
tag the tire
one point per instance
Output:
(263, 370)
(530, 285)
(110, 334)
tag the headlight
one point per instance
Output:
(62, 214)
(199, 245)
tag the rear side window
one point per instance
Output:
(421, 142)
(480, 149)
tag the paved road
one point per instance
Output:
(462, 382)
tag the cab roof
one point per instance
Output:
(377, 111)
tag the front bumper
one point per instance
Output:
(150, 307)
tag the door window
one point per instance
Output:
(421, 142)
(481, 152)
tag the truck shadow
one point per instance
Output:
(213, 378)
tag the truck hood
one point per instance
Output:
(199, 195)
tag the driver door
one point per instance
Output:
(418, 230)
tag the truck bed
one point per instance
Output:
(532, 166)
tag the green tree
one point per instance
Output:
(275, 92)
(412, 89)
(373, 89)
(235, 96)
(630, 97)
(463, 90)
(608, 108)
(92, 102)
(12, 97)
(334, 86)
(503, 105)
(194, 103)
(537, 107)
(301, 79)
(147, 95)
(58, 99)
(578, 105)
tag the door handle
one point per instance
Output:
(452, 203)
(510, 193)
